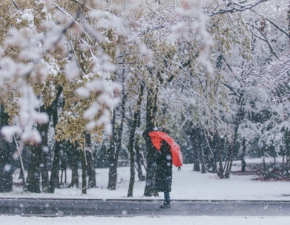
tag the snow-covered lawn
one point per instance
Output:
(206, 220)
(187, 184)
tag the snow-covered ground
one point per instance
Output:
(186, 185)
(206, 220)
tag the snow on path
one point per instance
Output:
(204, 220)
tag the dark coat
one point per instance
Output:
(164, 169)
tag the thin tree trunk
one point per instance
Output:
(84, 173)
(33, 177)
(111, 152)
(243, 157)
(6, 181)
(20, 148)
(195, 145)
(65, 177)
(138, 160)
(91, 170)
(229, 162)
(115, 146)
(220, 171)
(43, 129)
(201, 152)
(90, 161)
(151, 109)
(53, 114)
(54, 177)
(131, 142)
(74, 168)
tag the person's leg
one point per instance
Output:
(166, 203)
(166, 198)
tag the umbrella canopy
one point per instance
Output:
(158, 136)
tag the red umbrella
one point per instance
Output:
(158, 136)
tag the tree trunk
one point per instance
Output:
(91, 170)
(84, 173)
(243, 157)
(115, 146)
(138, 160)
(90, 162)
(220, 148)
(53, 114)
(131, 142)
(6, 181)
(201, 151)
(151, 110)
(43, 129)
(20, 148)
(195, 145)
(111, 152)
(232, 148)
(74, 168)
(33, 177)
(229, 162)
(54, 176)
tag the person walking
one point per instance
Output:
(164, 173)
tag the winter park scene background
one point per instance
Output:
(82, 81)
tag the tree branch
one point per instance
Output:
(237, 7)
(274, 24)
(267, 41)
(15, 5)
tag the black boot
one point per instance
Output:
(166, 205)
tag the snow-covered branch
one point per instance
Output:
(235, 6)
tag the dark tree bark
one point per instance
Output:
(243, 169)
(201, 149)
(63, 165)
(38, 163)
(195, 145)
(90, 162)
(5, 166)
(54, 177)
(220, 150)
(151, 166)
(38, 167)
(43, 129)
(131, 142)
(112, 183)
(6, 182)
(74, 167)
(115, 146)
(138, 160)
(53, 114)
(20, 149)
(84, 173)
(151, 110)
(202, 161)
(91, 170)
(33, 177)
